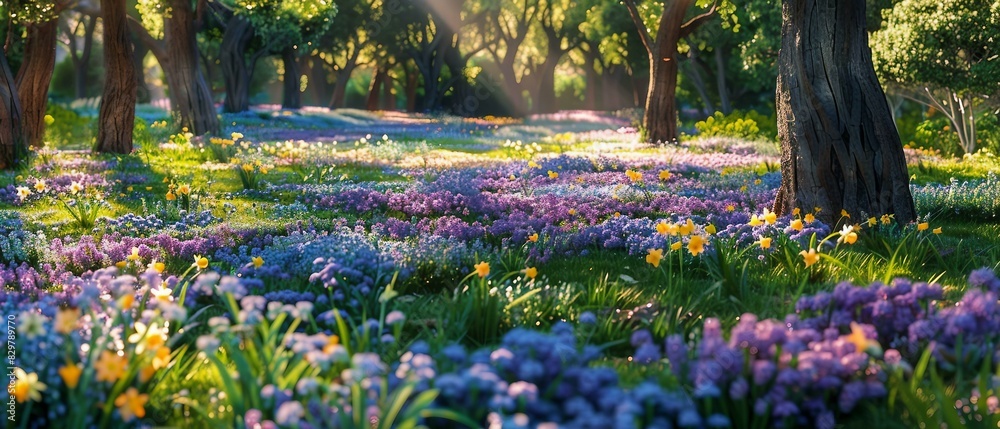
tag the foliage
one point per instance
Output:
(68, 129)
(750, 126)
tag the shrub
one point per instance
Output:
(749, 125)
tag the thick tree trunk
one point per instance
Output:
(373, 90)
(660, 119)
(412, 83)
(13, 142)
(388, 101)
(839, 147)
(138, 57)
(291, 96)
(339, 97)
(547, 85)
(81, 73)
(235, 72)
(34, 77)
(117, 115)
(319, 86)
(189, 93)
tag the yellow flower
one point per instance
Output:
(533, 238)
(201, 262)
(70, 374)
(843, 213)
(27, 386)
(134, 256)
(810, 218)
(49, 120)
(184, 189)
(162, 294)
(110, 367)
(75, 187)
(131, 404)
(757, 182)
(810, 257)
(710, 229)
(923, 226)
(171, 196)
(156, 266)
(40, 185)
(633, 175)
(533, 164)
(146, 373)
(817, 209)
(121, 264)
(166, 180)
(730, 208)
(23, 192)
(796, 224)
(664, 175)
(618, 214)
(696, 245)
(797, 211)
(887, 219)
(236, 136)
(257, 261)
(572, 212)
(861, 342)
(66, 320)
(769, 216)
(847, 235)
(663, 228)
(531, 272)
(676, 246)
(756, 221)
(247, 167)
(483, 269)
(937, 230)
(149, 188)
(872, 221)
(765, 242)
(686, 228)
(331, 344)
(654, 257)
(150, 337)
(126, 301)
(553, 175)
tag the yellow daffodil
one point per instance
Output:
(126, 301)
(936, 230)
(533, 164)
(236, 136)
(796, 212)
(730, 208)
(676, 246)
(847, 235)
(572, 212)
(184, 189)
(862, 344)
(662, 228)
(769, 217)
(664, 175)
(156, 266)
(843, 213)
(131, 404)
(66, 320)
(553, 175)
(23, 192)
(27, 386)
(817, 209)
(482, 269)
(171, 196)
(121, 264)
(756, 221)
(200, 262)
(75, 188)
(633, 175)
(809, 218)
(150, 337)
(531, 272)
(810, 257)
(110, 367)
(134, 256)
(696, 245)
(533, 238)
(796, 225)
(70, 374)
(922, 226)
(654, 256)
(162, 294)
(711, 229)
(686, 228)
(887, 219)
(257, 261)
(765, 242)
(872, 221)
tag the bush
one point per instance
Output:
(749, 125)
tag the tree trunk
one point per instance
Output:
(235, 73)
(660, 119)
(720, 81)
(117, 115)
(138, 57)
(339, 97)
(82, 64)
(547, 85)
(388, 101)
(291, 96)
(13, 142)
(376, 85)
(699, 84)
(189, 93)
(839, 147)
(34, 77)
(318, 73)
(412, 83)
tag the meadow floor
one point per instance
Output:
(347, 269)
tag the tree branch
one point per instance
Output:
(154, 45)
(697, 21)
(647, 40)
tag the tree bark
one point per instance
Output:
(235, 73)
(373, 90)
(291, 96)
(339, 96)
(839, 146)
(547, 84)
(189, 93)
(34, 76)
(13, 142)
(117, 114)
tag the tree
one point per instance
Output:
(41, 21)
(559, 22)
(177, 53)
(943, 54)
(13, 144)
(660, 118)
(117, 113)
(839, 146)
(509, 22)
(85, 22)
